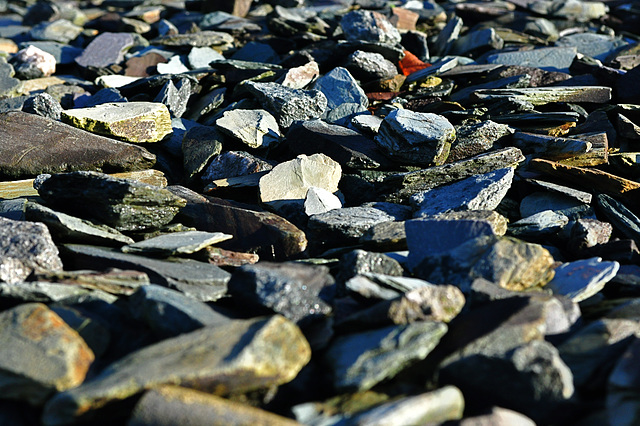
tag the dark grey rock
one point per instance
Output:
(582, 196)
(582, 279)
(440, 67)
(448, 35)
(123, 204)
(105, 50)
(368, 66)
(288, 105)
(539, 225)
(301, 293)
(176, 243)
(25, 247)
(549, 147)
(622, 391)
(206, 103)
(416, 138)
(170, 313)
(538, 202)
(43, 105)
(587, 233)
(474, 139)
(360, 361)
(222, 41)
(378, 287)
(597, 46)
(545, 95)
(339, 87)
(49, 293)
(102, 96)
(199, 145)
(369, 26)
(175, 96)
(359, 262)
(199, 280)
(60, 30)
(234, 163)
(256, 52)
(620, 216)
(546, 58)
(9, 86)
(475, 42)
(480, 192)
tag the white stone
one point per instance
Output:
(44, 61)
(319, 200)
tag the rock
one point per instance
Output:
(67, 228)
(287, 104)
(143, 65)
(597, 46)
(43, 105)
(60, 30)
(177, 405)
(170, 313)
(255, 128)
(385, 236)
(105, 50)
(129, 121)
(417, 138)
(289, 181)
(481, 192)
(360, 262)
(477, 138)
(25, 247)
(199, 280)
(339, 87)
(359, 361)
(301, 293)
(63, 54)
(201, 57)
(546, 58)
(545, 95)
(217, 40)
(300, 77)
(34, 63)
(477, 41)
(173, 66)
(539, 225)
(538, 202)
(367, 66)
(43, 355)
(210, 359)
(622, 407)
(9, 86)
(256, 52)
(587, 233)
(102, 96)
(234, 163)
(119, 203)
(320, 200)
(60, 150)
(365, 25)
(199, 145)
(376, 287)
(266, 234)
(620, 216)
(508, 262)
(582, 279)
(176, 243)
(175, 97)
(498, 417)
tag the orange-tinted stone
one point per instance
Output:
(410, 63)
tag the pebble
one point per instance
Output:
(355, 213)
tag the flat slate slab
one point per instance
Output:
(177, 243)
(128, 121)
(61, 148)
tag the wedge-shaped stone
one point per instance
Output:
(41, 354)
(230, 359)
(177, 243)
(582, 279)
(61, 148)
(545, 95)
(120, 203)
(550, 147)
(127, 121)
(255, 128)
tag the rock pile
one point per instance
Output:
(343, 212)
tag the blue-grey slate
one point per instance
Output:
(366, 25)
(582, 278)
(546, 58)
(43, 104)
(170, 313)
(622, 219)
(597, 46)
(105, 50)
(539, 225)
(339, 87)
(256, 52)
(102, 96)
(368, 66)
(199, 145)
(175, 96)
(9, 86)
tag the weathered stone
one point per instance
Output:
(142, 66)
(301, 293)
(199, 280)
(480, 192)
(319, 200)
(9, 86)
(545, 95)
(477, 138)
(622, 391)
(587, 233)
(289, 181)
(234, 163)
(217, 40)
(300, 77)
(44, 105)
(537, 202)
(128, 121)
(416, 138)
(365, 25)
(597, 46)
(201, 57)
(179, 405)
(266, 234)
(122, 204)
(263, 352)
(620, 216)
(582, 279)
(360, 262)
(42, 354)
(385, 236)
(367, 66)
(508, 262)
(339, 87)
(287, 104)
(447, 36)
(376, 287)
(360, 361)
(33, 62)
(60, 30)
(475, 42)
(199, 145)
(170, 313)
(66, 228)
(550, 147)
(25, 248)
(255, 128)
(105, 50)
(539, 225)
(546, 58)
(173, 66)
(175, 96)
(176, 243)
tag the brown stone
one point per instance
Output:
(404, 19)
(143, 66)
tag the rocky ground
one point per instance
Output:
(354, 213)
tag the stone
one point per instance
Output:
(545, 95)
(170, 313)
(301, 293)
(43, 355)
(102, 96)
(498, 417)
(199, 145)
(385, 236)
(539, 225)
(143, 65)
(360, 262)
(255, 128)
(199, 280)
(481, 192)
(128, 121)
(267, 234)
(587, 233)
(622, 388)
(547, 58)
(549, 147)
(427, 303)
(230, 164)
(417, 138)
(367, 66)
(173, 66)
(339, 87)
(175, 96)
(359, 361)
(366, 25)
(320, 200)
(25, 247)
(287, 104)
(581, 279)
(104, 50)
(508, 262)
(122, 204)
(33, 62)
(623, 219)
(474, 139)
(256, 52)
(217, 40)
(107, 286)
(177, 405)
(43, 105)
(300, 77)
(176, 243)
(9, 86)
(478, 41)
(448, 35)
(67, 228)
(60, 30)
(596, 46)
(539, 201)
(201, 57)
(210, 359)
(289, 181)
